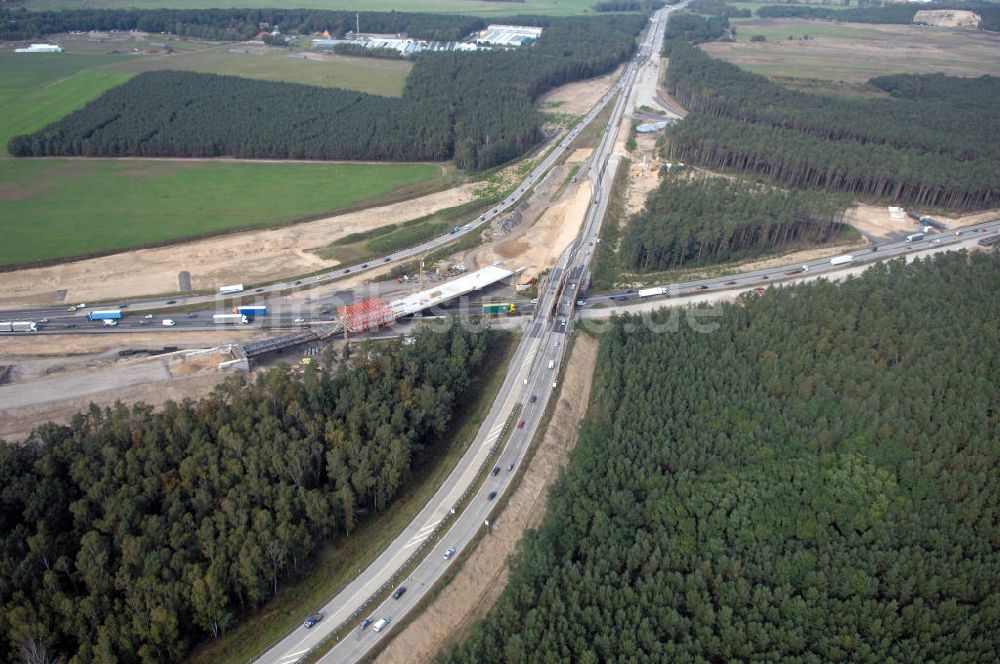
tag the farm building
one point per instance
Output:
(40, 48)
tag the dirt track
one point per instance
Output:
(478, 584)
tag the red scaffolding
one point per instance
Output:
(366, 315)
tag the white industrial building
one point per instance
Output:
(40, 48)
(508, 35)
(405, 47)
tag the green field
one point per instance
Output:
(474, 7)
(782, 29)
(37, 89)
(754, 6)
(381, 77)
(53, 209)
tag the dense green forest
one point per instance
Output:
(940, 150)
(234, 24)
(645, 6)
(816, 480)
(477, 108)
(694, 29)
(717, 8)
(899, 14)
(132, 532)
(692, 222)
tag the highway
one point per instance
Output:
(529, 383)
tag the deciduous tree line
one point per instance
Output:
(477, 108)
(133, 531)
(814, 481)
(701, 221)
(942, 150)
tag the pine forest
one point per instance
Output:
(812, 479)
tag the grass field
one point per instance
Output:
(38, 89)
(381, 77)
(53, 209)
(754, 6)
(855, 52)
(474, 7)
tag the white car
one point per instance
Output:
(300, 320)
(380, 625)
(449, 553)
(148, 316)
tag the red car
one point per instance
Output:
(520, 425)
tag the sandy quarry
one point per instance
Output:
(253, 256)
(483, 575)
(948, 18)
(874, 221)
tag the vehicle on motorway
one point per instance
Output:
(491, 495)
(148, 316)
(552, 364)
(915, 237)
(534, 398)
(228, 290)
(510, 466)
(43, 320)
(82, 305)
(227, 319)
(581, 303)
(380, 625)
(449, 553)
(71, 309)
(109, 322)
(251, 310)
(145, 322)
(621, 298)
(196, 315)
(259, 290)
(70, 325)
(842, 259)
(167, 322)
(312, 620)
(703, 287)
(299, 320)
(364, 623)
(365, 265)
(171, 301)
(730, 283)
(958, 232)
(495, 471)
(105, 314)
(399, 592)
(347, 270)
(19, 326)
(520, 425)
(387, 259)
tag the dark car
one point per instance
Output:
(387, 259)
(365, 265)
(496, 471)
(399, 592)
(366, 622)
(258, 290)
(730, 283)
(631, 290)
(703, 287)
(534, 398)
(297, 283)
(347, 270)
(123, 306)
(312, 620)
(492, 495)
(171, 301)
(145, 322)
(520, 425)
(70, 325)
(192, 315)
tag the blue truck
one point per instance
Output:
(105, 314)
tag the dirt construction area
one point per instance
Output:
(251, 257)
(578, 98)
(52, 381)
(855, 52)
(483, 574)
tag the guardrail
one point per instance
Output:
(432, 538)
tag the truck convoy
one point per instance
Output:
(227, 290)
(18, 326)
(105, 314)
(231, 319)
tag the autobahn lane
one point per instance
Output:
(530, 382)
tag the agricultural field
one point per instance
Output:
(855, 52)
(381, 77)
(61, 208)
(474, 7)
(39, 89)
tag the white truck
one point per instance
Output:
(552, 364)
(18, 326)
(647, 292)
(227, 290)
(230, 319)
(841, 260)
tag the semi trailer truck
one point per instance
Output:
(230, 319)
(105, 314)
